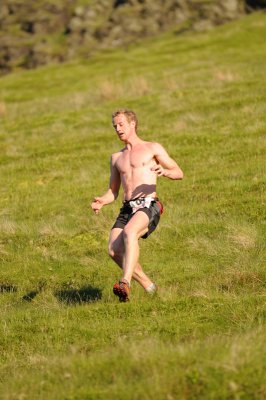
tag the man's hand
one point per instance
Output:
(158, 169)
(97, 204)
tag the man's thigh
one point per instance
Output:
(138, 224)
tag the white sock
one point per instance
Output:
(151, 288)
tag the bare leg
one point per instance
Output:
(117, 252)
(135, 228)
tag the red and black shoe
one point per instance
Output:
(122, 290)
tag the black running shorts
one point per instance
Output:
(126, 213)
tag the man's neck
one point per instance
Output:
(133, 141)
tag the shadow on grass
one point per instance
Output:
(7, 288)
(87, 294)
(30, 296)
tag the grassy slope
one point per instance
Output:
(62, 334)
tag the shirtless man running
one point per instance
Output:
(136, 168)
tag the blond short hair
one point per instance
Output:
(130, 116)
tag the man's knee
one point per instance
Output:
(129, 234)
(111, 250)
(114, 252)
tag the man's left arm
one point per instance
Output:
(166, 165)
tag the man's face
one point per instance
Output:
(123, 127)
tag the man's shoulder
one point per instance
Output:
(153, 146)
(116, 155)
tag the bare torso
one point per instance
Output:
(134, 166)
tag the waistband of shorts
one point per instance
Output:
(127, 202)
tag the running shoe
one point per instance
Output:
(121, 289)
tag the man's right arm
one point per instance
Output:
(113, 190)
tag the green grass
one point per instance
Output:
(63, 335)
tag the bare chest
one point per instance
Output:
(134, 159)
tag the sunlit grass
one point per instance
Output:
(63, 335)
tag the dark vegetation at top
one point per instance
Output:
(38, 32)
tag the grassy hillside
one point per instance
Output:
(63, 335)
